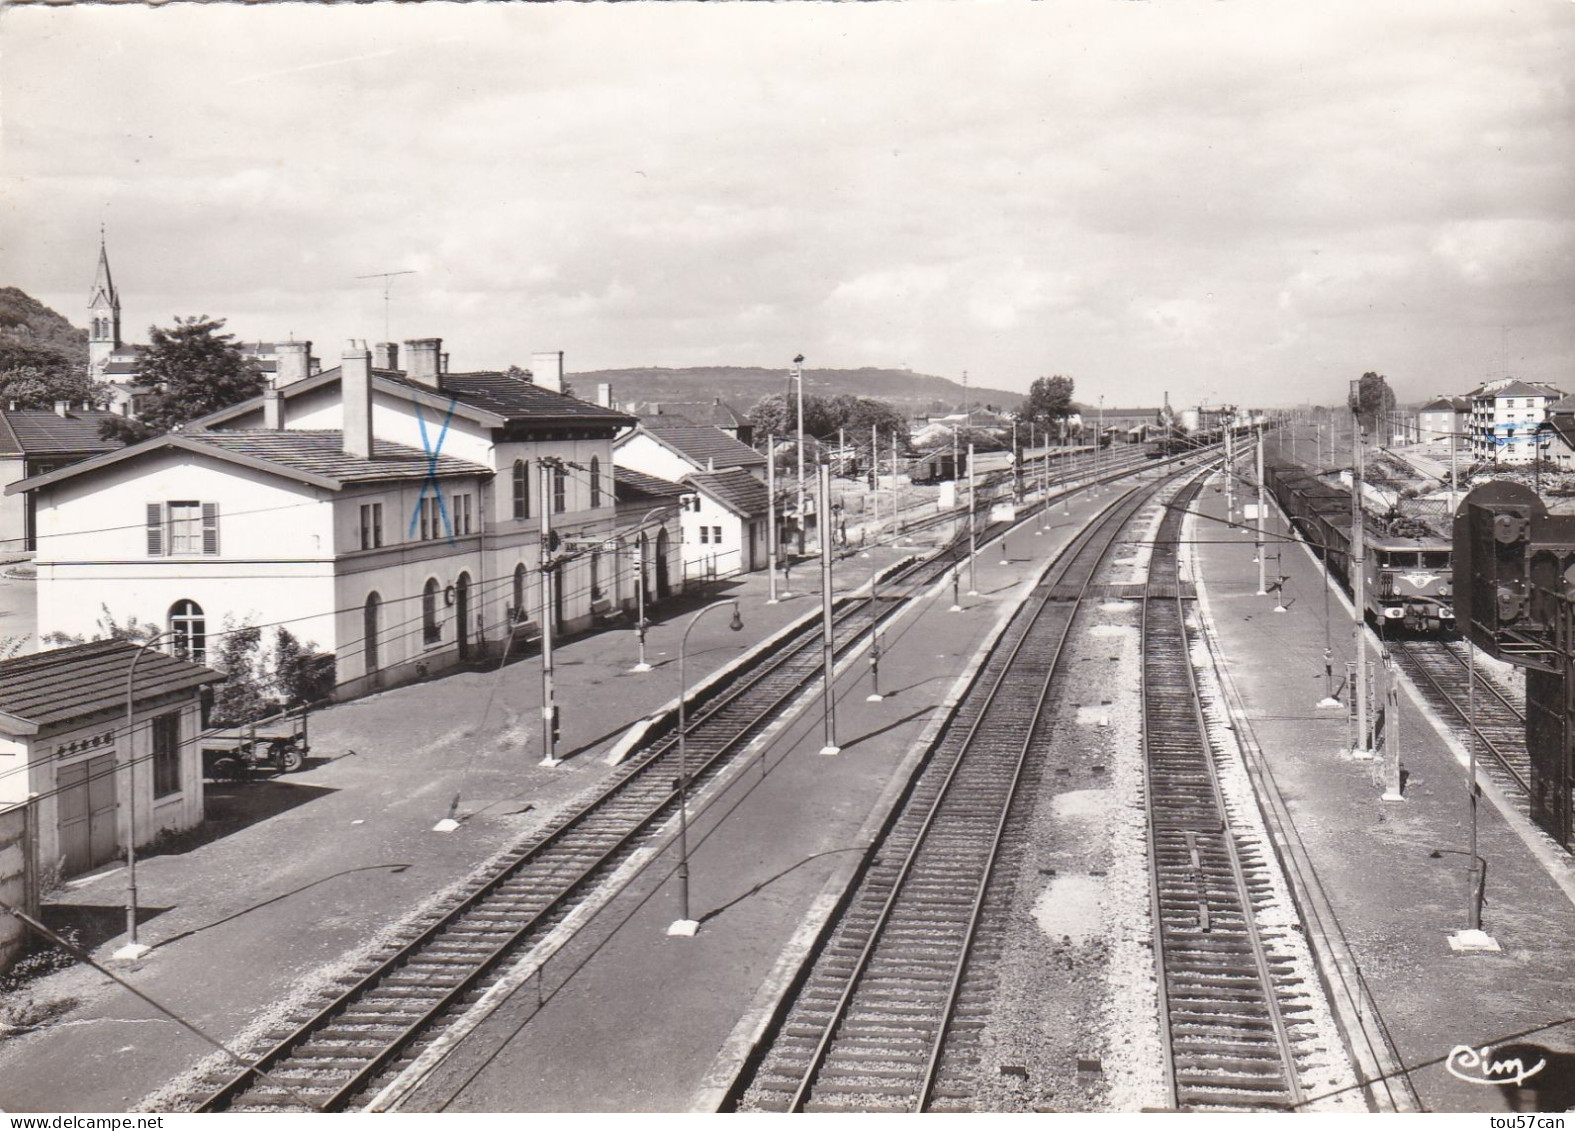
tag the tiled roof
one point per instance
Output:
(1524, 389)
(39, 431)
(322, 453)
(70, 683)
(633, 486)
(494, 398)
(737, 490)
(717, 413)
(704, 446)
(316, 457)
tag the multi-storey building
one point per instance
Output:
(1504, 419)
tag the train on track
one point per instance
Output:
(1408, 583)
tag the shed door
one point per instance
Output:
(87, 814)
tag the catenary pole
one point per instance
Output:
(827, 643)
(549, 582)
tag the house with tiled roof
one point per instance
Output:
(36, 441)
(1504, 420)
(716, 413)
(674, 449)
(1443, 419)
(724, 523)
(392, 517)
(65, 745)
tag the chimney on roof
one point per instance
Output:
(355, 387)
(547, 369)
(422, 356)
(385, 355)
(62, 408)
(293, 364)
(273, 410)
(604, 394)
(443, 359)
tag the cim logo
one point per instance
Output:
(1421, 580)
(1477, 1066)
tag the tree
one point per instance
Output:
(302, 674)
(40, 386)
(1049, 400)
(1372, 401)
(243, 696)
(192, 370)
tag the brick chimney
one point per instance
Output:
(604, 395)
(293, 364)
(355, 389)
(422, 361)
(385, 355)
(273, 410)
(547, 370)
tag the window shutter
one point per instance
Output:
(155, 530)
(210, 528)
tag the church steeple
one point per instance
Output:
(103, 315)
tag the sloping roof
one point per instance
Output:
(716, 412)
(316, 457)
(1446, 404)
(737, 490)
(703, 445)
(491, 399)
(83, 679)
(634, 486)
(1523, 389)
(39, 431)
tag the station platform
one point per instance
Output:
(1394, 873)
(296, 877)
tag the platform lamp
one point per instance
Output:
(133, 949)
(639, 584)
(685, 925)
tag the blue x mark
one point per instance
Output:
(431, 480)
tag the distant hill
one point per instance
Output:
(31, 333)
(742, 386)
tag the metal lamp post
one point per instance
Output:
(133, 949)
(685, 925)
(639, 585)
(798, 375)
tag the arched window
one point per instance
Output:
(371, 618)
(596, 482)
(560, 489)
(520, 612)
(521, 489)
(431, 628)
(191, 630)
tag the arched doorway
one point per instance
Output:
(644, 578)
(661, 564)
(519, 612)
(431, 627)
(462, 616)
(370, 616)
(556, 579)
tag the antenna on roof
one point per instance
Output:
(388, 286)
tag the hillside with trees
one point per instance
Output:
(744, 386)
(43, 358)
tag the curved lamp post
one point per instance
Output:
(684, 925)
(133, 949)
(639, 584)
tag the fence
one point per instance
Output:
(18, 880)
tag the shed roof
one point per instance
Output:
(86, 679)
(633, 486)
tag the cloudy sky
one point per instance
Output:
(1245, 201)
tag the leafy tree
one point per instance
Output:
(35, 386)
(243, 696)
(301, 673)
(109, 628)
(124, 429)
(193, 370)
(1371, 401)
(1049, 400)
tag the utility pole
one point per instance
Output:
(1230, 477)
(1263, 558)
(875, 477)
(549, 584)
(1454, 481)
(826, 627)
(798, 375)
(1358, 590)
(896, 503)
(973, 548)
(771, 520)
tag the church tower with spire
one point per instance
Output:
(103, 316)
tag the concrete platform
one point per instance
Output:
(302, 874)
(1395, 872)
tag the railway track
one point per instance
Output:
(394, 1006)
(890, 1010)
(1228, 1006)
(1441, 671)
